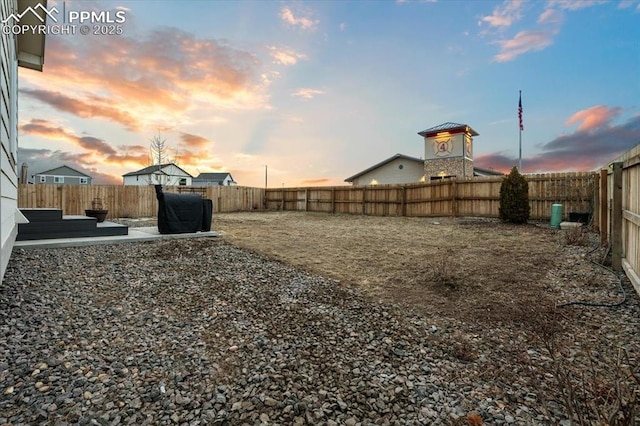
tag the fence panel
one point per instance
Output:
(130, 201)
(471, 197)
(631, 216)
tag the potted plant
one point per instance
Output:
(96, 210)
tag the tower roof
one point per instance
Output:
(448, 127)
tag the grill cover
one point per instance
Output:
(180, 213)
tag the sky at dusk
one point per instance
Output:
(321, 90)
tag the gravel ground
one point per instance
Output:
(202, 332)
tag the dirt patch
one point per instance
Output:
(473, 270)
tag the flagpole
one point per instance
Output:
(520, 156)
(520, 135)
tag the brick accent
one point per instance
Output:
(459, 167)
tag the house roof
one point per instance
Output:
(382, 163)
(213, 177)
(448, 127)
(486, 172)
(53, 171)
(30, 44)
(154, 169)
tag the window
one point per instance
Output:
(84, 181)
(401, 166)
(58, 179)
(43, 179)
(183, 182)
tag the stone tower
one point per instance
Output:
(448, 151)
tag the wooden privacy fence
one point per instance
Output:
(473, 197)
(131, 201)
(622, 195)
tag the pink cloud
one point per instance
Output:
(194, 141)
(146, 81)
(505, 15)
(307, 93)
(576, 4)
(302, 22)
(550, 16)
(97, 150)
(524, 42)
(317, 182)
(587, 148)
(94, 106)
(285, 56)
(593, 117)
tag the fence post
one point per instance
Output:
(604, 207)
(616, 218)
(333, 200)
(364, 200)
(63, 198)
(454, 198)
(306, 199)
(403, 208)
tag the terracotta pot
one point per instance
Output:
(100, 215)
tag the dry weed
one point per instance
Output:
(576, 236)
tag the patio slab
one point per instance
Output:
(147, 233)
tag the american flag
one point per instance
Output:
(520, 111)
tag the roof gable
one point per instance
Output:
(382, 163)
(157, 168)
(213, 177)
(63, 170)
(448, 127)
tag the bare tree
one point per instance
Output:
(158, 151)
(159, 156)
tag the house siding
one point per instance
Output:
(68, 180)
(8, 137)
(390, 173)
(170, 176)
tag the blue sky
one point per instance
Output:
(321, 90)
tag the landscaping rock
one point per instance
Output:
(201, 332)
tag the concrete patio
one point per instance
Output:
(136, 234)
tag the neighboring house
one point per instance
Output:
(25, 50)
(213, 179)
(397, 169)
(63, 174)
(159, 174)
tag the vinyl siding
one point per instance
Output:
(411, 171)
(8, 138)
(68, 180)
(170, 177)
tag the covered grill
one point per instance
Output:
(183, 213)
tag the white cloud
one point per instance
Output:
(575, 4)
(550, 16)
(307, 93)
(523, 42)
(303, 22)
(505, 15)
(285, 56)
(624, 4)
